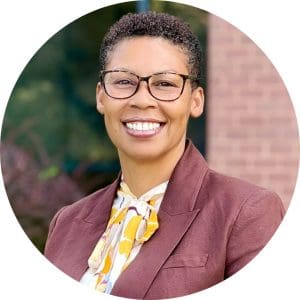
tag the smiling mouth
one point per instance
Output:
(143, 128)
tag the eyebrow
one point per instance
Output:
(158, 72)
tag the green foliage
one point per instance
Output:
(52, 117)
(52, 111)
(48, 173)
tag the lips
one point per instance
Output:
(142, 127)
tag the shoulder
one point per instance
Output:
(249, 216)
(80, 209)
(85, 204)
(234, 195)
(70, 216)
(243, 215)
(228, 185)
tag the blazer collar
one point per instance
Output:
(99, 214)
(180, 195)
(88, 228)
(185, 182)
(176, 215)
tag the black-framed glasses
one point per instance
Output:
(164, 86)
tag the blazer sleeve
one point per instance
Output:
(257, 219)
(52, 226)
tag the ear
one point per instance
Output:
(99, 98)
(197, 104)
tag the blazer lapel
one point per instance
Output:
(89, 227)
(176, 215)
(135, 281)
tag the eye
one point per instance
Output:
(124, 82)
(164, 83)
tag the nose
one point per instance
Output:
(142, 98)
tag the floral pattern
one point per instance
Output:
(132, 222)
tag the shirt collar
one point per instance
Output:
(159, 189)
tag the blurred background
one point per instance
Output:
(54, 148)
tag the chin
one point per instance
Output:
(144, 155)
(142, 152)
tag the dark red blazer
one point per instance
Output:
(210, 226)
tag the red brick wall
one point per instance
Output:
(251, 125)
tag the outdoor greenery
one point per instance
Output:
(54, 148)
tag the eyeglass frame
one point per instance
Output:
(146, 79)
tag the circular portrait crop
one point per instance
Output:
(149, 150)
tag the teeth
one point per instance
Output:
(142, 126)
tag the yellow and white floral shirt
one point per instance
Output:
(132, 222)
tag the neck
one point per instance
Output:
(142, 175)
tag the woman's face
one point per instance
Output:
(142, 127)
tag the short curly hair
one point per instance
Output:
(156, 24)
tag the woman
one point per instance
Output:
(168, 226)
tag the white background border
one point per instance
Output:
(26, 25)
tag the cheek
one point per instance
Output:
(179, 114)
(111, 129)
(112, 118)
(110, 121)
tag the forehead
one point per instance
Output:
(146, 55)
